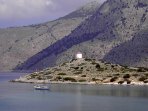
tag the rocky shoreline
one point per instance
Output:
(81, 83)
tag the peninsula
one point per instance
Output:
(88, 71)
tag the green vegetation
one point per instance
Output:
(88, 59)
(94, 79)
(83, 76)
(126, 76)
(62, 74)
(76, 68)
(98, 66)
(120, 82)
(94, 63)
(100, 73)
(82, 80)
(33, 76)
(58, 78)
(81, 68)
(142, 78)
(145, 81)
(100, 69)
(49, 77)
(70, 79)
(39, 78)
(142, 69)
(128, 82)
(113, 79)
(116, 74)
(146, 74)
(73, 60)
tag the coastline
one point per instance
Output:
(80, 83)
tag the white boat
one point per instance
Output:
(41, 87)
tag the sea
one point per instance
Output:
(70, 97)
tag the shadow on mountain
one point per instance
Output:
(105, 25)
(133, 52)
(55, 49)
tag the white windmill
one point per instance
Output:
(79, 55)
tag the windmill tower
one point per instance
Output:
(79, 55)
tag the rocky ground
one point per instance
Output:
(88, 71)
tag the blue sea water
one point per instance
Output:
(68, 97)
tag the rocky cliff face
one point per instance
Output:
(19, 44)
(116, 32)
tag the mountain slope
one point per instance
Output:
(132, 52)
(114, 23)
(19, 44)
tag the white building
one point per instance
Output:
(79, 55)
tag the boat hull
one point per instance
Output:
(41, 88)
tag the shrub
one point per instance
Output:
(58, 78)
(98, 66)
(82, 80)
(82, 68)
(146, 75)
(62, 74)
(113, 79)
(94, 79)
(87, 59)
(126, 76)
(39, 78)
(128, 82)
(73, 60)
(117, 74)
(87, 70)
(112, 66)
(76, 68)
(70, 79)
(49, 77)
(32, 76)
(145, 81)
(83, 76)
(142, 78)
(120, 82)
(94, 63)
(142, 69)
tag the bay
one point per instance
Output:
(70, 97)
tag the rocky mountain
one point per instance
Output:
(116, 32)
(133, 52)
(20, 43)
(88, 71)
